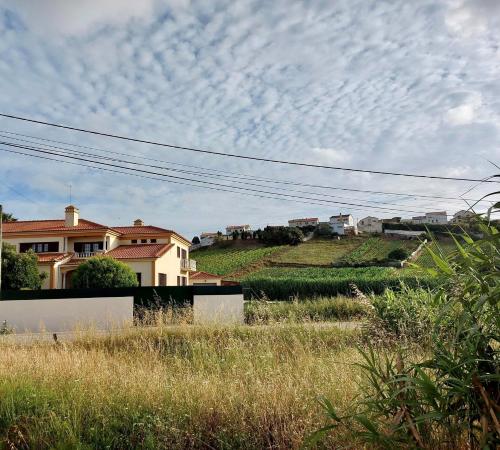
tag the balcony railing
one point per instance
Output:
(83, 255)
(188, 264)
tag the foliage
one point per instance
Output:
(376, 250)
(279, 283)
(282, 236)
(20, 270)
(453, 397)
(196, 240)
(318, 309)
(8, 217)
(103, 272)
(223, 261)
(398, 254)
(175, 387)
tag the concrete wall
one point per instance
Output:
(221, 309)
(67, 314)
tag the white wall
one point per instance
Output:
(67, 314)
(219, 309)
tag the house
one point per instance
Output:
(205, 279)
(462, 216)
(432, 218)
(404, 234)
(370, 224)
(158, 256)
(343, 224)
(309, 222)
(230, 229)
(207, 239)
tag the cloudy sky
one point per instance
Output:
(388, 85)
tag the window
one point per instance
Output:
(178, 280)
(153, 241)
(178, 252)
(139, 278)
(144, 241)
(162, 279)
(134, 241)
(184, 281)
(39, 247)
(184, 254)
(88, 247)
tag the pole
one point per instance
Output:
(1, 244)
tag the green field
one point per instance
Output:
(375, 249)
(319, 251)
(224, 261)
(441, 247)
(279, 283)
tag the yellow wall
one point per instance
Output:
(45, 268)
(142, 266)
(201, 281)
(17, 241)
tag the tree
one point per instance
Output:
(235, 234)
(399, 254)
(20, 270)
(8, 217)
(103, 272)
(282, 236)
(196, 240)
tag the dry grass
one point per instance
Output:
(177, 387)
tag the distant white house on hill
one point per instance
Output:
(207, 239)
(310, 221)
(343, 224)
(370, 224)
(462, 216)
(432, 218)
(230, 229)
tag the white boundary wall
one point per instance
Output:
(220, 309)
(67, 314)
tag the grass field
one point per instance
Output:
(441, 247)
(177, 388)
(376, 249)
(224, 261)
(318, 251)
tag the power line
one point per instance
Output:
(202, 174)
(240, 176)
(232, 155)
(206, 182)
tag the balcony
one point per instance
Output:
(84, 255)
(188, 264)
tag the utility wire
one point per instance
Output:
(232, 155)
(240, 176)
(203, 174)
(205, 182)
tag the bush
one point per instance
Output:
(20, 270)
(103, 272)
(282, 236)
(196, 240)
(398, 254)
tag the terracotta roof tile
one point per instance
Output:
(202, 274)
(52, 257)
(48, 225)
(303, 220)
(139, 251)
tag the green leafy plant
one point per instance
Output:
(20, 270)
(103, 272)
(452, 398)
(399, 254)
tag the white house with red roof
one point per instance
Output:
(158, 256)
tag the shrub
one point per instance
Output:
(282, 236)
(103, 272)
(20, 270)
(399, 254)
(196, 240)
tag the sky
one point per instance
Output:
(394, 85)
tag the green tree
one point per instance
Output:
(103, 272)
(8, 217)
(20, 270)
(196, 240)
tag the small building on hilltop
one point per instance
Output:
(343, 224)
(230, 229)
(308, 222)
(432, 218)
(370, 224)
(462, 216)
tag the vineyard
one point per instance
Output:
(224, 261)
(375, 250)
(278, 283)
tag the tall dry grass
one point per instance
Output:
(178, 386)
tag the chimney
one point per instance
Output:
(71, 216)
(138, 223)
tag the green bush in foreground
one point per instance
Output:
(20, 270)
(103, 272)
(452, 399)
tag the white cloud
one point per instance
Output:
(465, 113)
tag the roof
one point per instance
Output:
(340, 215)
(146, 229)
(202, 274)
(308, 219)
(21, 226)
(52, 257)
(139, 251)
(236, 226)
(438, 213)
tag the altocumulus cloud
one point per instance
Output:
(400, 86)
